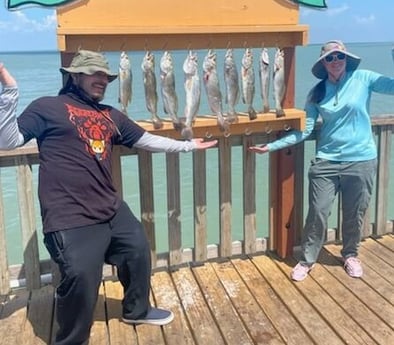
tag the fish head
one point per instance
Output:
(229, 53)
(209, 61)
(124, 62)
(279, 58)
(166, 62)
(229, 59)
(247, 58)
(265, 56)
(148, 62)
(191, 63)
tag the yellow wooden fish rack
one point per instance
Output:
(188, 24)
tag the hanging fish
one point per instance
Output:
(149, 78)
(279, 82)
(248, 82)
(125, 82)
(264, 78)
(231, 81)
(168, 93)
(212, 88)
(193, 93)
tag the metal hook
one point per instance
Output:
(248, 131)
(286, 127)
(227, 134)
(208, 135)
(268, 129)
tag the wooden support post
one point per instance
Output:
(282, 165)
(282, 201)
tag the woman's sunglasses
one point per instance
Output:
(330, 58)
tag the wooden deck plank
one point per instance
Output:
(231, 327)
(375, 266)
(250, 296)
(367, 294)
(307, 315)
(99, 332)
(148, 334)
(387, 241)
(373, 278)
(349, 297)
(39, 316)
(383, 253)
(205, 329)
(253, 317)
(13, 318)
(118, 330)
(345, 326)
(164, 292)
(283, 321)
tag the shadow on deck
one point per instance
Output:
(248, 300)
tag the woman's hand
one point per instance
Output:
(259, 149)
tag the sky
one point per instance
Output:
(34, 28)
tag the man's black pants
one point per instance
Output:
(80, 254)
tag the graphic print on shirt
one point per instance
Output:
(93, 128)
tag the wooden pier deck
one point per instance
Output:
(239, 301)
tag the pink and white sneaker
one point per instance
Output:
(353, 267)
(300, 271)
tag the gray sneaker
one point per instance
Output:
(155, 316)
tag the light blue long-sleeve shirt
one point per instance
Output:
(346, 133)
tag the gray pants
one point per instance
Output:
(326, 178)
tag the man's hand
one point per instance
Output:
(202, 145)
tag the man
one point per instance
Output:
(85, 222)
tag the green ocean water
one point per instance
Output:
(38, 75)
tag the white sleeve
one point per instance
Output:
(157, 143)
(10, 137)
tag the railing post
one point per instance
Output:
(4, 272)
(28, 223)
(225, 196)
(249, 196)
(147, 199)
(200, 205)
(382, 178)
(174, 209)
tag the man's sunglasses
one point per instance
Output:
(330, 58)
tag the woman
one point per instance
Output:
(345, 153)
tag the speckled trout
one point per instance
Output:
(279, 82)
(212, 88)
(231, 81)
(192, 86)
(150, 86)
(125, 82)
(248, 82)
(168, 91)
(264, 72)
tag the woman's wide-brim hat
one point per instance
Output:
(89, 62)
(352, 61)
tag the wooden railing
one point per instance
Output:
(196, 176)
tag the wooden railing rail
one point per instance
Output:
(30, 272)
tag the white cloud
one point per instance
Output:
(365, 20)
(19, 22)
(337, 10)
(329, 11)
